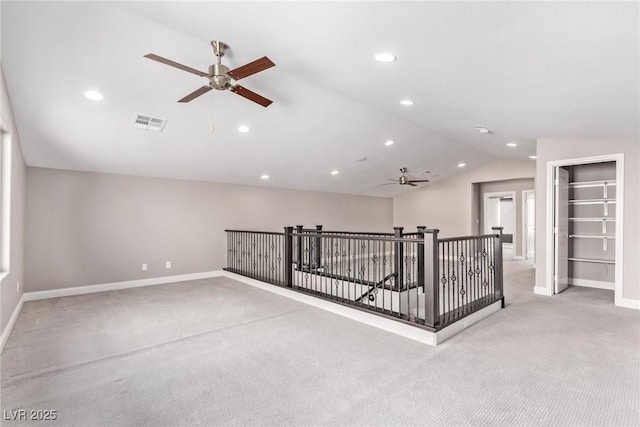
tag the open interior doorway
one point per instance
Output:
(529, 222)
(585, 211)
(499, 211)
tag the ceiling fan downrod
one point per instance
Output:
(218, 72)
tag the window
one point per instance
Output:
(5, 193)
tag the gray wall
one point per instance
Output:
(9, 296)
(551, 150)
(516, 185)
(91, 228)
(448, 204)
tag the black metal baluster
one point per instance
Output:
(469, 294)
(412, 279)
(268, 257)
(243, 258)
(485, 267)
(447, 261)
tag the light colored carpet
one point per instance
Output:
(218, 352)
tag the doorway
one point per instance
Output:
(529, 224)
(585, 223)
(499, 211)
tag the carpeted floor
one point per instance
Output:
(218, 352)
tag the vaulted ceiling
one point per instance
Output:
(525, 70)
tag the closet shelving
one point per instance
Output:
(605, 219)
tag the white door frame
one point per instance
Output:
(550, 259)
(512, 195)
(524, 222)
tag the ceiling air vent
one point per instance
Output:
(142, 121)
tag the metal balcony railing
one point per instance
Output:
(414, 277)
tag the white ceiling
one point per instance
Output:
(524, 70)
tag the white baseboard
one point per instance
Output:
(12, 321)
(407, 331)
(389, 325)
(628, 303)
(89, 289)
(446, 333)
(592, 284)
(539, 290)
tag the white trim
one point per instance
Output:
(619, 271)
(411, 332)
(541, 290)
(449, 331)
(517, 258)
(598, 284)
(628, 303)
(89, 289)
(12, 321)
(398, 328)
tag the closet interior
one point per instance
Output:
(592, 225)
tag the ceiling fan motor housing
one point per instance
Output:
(218, 76)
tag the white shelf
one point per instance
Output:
(592, 219)
(591, 236)
(591, 201)
(593, 260)
(591, 184)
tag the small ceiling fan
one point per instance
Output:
(221, 77)
(404, 180)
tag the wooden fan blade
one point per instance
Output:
(175, 64)
(196, 93)
(411, 184)
(251, 68)
(394, 180)
(418, 180)
(389, 183)
(250, 95)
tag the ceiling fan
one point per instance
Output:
(404, 180)
(221, 77)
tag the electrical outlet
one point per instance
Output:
(144, 267)
(168, 264)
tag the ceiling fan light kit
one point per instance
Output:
(222, 77)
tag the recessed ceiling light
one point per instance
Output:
(265, 176)
(334, 172)
(388, 143)
(384, 57)
(94, 95)
(532, 157)
(406, 102)
(243, 129)
(511, 144)
(482, 129)
(461, 165)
